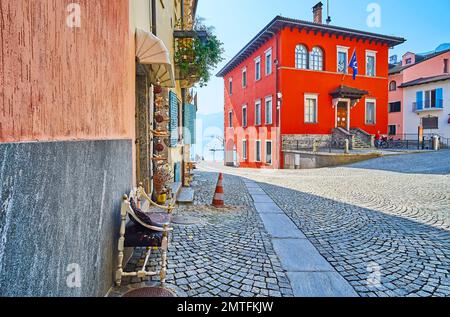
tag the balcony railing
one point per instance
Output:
(428, 105)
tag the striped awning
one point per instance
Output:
(151, 51)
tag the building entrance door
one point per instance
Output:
(342, 115)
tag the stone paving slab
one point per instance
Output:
(186, 196)
(264, 208)
(299, 255)
(252, 185)
(320, 284)
(280, 226)
(310, 274)
(256, 191)
(262, 199)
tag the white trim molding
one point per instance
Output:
(316, 98)
(374, 101)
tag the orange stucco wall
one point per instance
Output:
(293, 85)
(255, 90)
(296, 83)
(61, 83)
(396, 118)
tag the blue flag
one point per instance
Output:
(354, 65)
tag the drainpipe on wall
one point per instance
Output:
(153, 9)
(277, 98)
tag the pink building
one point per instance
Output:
(419, 94)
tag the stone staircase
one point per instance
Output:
(361, 139)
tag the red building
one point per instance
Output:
(291, 85)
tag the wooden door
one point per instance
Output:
(342, 116)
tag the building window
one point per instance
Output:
(342, 59)
(392, 129)
(446, 66)
(230, 119)
(269, 109)
(269, 62)
(432, 100)
(316, 61)
(258, 68)
(311, 102)
(395, 107)
(371, 63)
(269, 152)
(393, 86)
(258, 151)
(230, 86)
(408, 61)
(244, 77)
(370, 111)
(244, 116)
(244, 150)
(301, 57)
(258, 112)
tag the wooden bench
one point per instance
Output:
(136, 234)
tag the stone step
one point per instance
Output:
(186, 196)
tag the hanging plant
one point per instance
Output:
(196, 58)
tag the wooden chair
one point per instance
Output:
(136, 234)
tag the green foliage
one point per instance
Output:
(197, 58)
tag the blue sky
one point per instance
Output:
(425, 25)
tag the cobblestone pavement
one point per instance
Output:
(382, 220)
(227, 254)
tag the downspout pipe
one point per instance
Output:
(277, 99)
(154, 30)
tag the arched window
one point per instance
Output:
(316, 61)
(393, 86)
(301, 57)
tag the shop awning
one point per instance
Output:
(151, 51)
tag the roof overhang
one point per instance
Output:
(346, 92)
(279, 23)
(151, 51)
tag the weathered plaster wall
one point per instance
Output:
(61, 83)
(60, 204)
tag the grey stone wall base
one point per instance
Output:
(59, 215)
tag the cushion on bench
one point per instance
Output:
(136, 236)
(155, 219)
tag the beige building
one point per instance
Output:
(162, 19)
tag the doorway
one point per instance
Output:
(342, 117)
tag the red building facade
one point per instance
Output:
(291, 84)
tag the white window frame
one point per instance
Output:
(258, 68)
(271, 150)
(374, 101)
(244, 149)
(268, 70)
(342, 49)
(244, 122)
(306, 56)
(315, 97)
(268, 110)
(312, 62)
(373, 54)
(258, 142)
(259, 116)
(244, 71)
(230, 86)
(230, 119)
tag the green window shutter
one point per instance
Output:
(189, 119)
(173, 126)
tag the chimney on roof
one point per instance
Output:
(317, 12)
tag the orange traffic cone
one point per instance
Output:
(218, 195)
